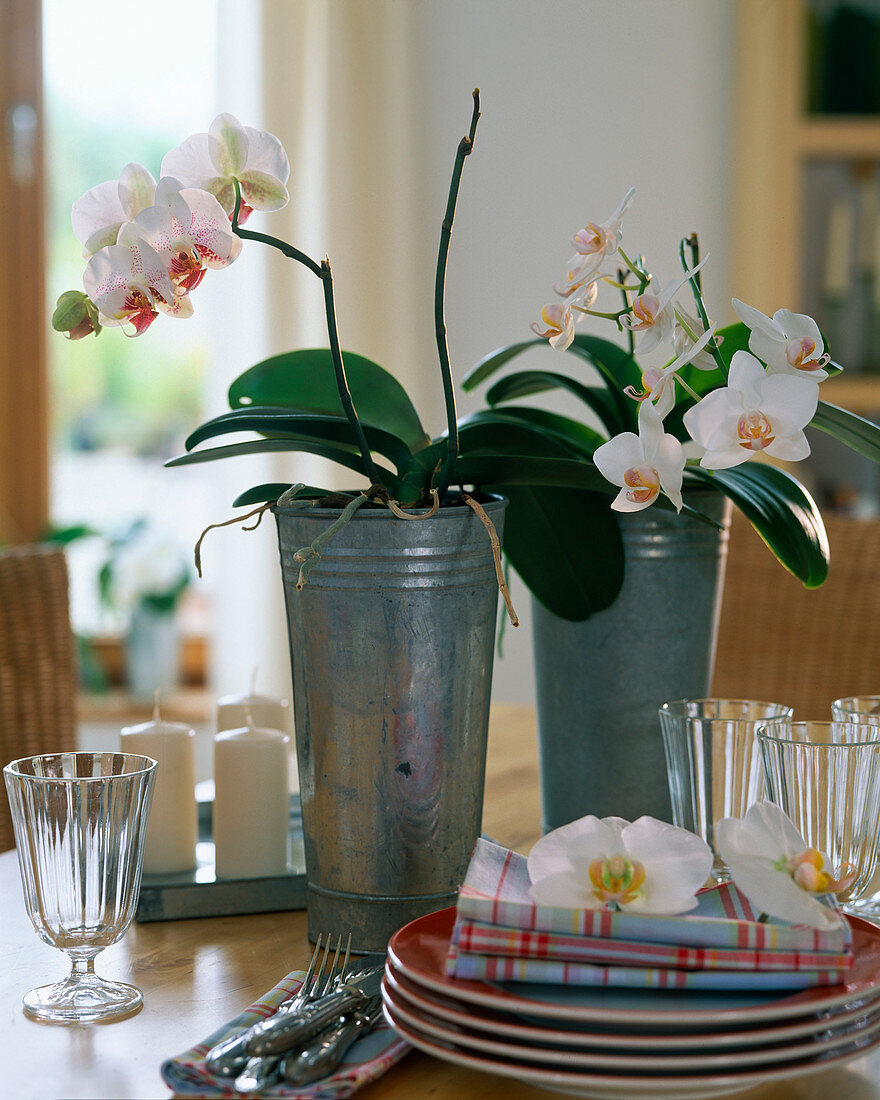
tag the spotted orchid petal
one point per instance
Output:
(789, 343)
(644, 465)
(755, 412)
(647, 866)
(766, 856)
(231, 151)
(130, 286)
(99, 214)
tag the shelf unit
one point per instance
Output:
(777, 259)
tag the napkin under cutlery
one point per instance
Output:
(370, 1057)
(502, 935)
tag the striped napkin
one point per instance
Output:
(502, 935)
(365, 1060)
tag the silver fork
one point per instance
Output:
(228, 1057)
(261, 1070)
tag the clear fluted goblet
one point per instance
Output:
(80, 822)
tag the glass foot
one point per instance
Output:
(72, 1001)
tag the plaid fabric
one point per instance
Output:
(473, 938)
(365, 1060)
(496, 891)
(499, 968)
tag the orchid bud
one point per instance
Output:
(76, 315)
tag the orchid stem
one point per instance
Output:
(323, 272)
(465, 147)
(693, 244)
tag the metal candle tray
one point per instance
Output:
(199, 893)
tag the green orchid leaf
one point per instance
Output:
(857, 433)
(476, 468)
(271, 491)
(351, 461)
(572, 433)
(300, 425)
(305, 380)
(527, 382)
(566, 546)
(614, 363)
(781, 511)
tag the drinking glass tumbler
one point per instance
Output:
(862, 710)
(826, 777)
(80, 822)
(713, 763)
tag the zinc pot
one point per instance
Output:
(391, 645)
(601, 682)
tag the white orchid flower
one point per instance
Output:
(647, 866)
(189, 229)
(644, 464)
(658, 383)
(654, 316)
(592, 245)
(771, 864)
(100, 213)
(230, 151)
(130, 286)
(755, 411)
(789, 343)
(688, 329)
(559, 320)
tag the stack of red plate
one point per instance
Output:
(622, 1043)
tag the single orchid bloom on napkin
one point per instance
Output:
(771, 864)
(99, 214)
(646, 866)
(643, 464)
(789, 343)
(755, 411)
(230, 151)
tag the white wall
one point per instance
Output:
(581, 100)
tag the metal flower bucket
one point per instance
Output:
(391, 644)
(600, 683)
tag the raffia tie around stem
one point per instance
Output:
(496, 554)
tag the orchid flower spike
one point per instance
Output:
(230, 151)
(755, 411)
(593, 244)
(644, 464)
(653, 316)
(771, 864)
(789, 343)
(647, 866)
(659, 382)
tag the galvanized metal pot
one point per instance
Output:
(601, 682)
(391, 644)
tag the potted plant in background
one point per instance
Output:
(626, 598)
(391, 591)
(144, 578)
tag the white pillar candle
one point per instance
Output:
(173, 827)
(251, 802)
(266, 712)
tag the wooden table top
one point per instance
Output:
(195, 974)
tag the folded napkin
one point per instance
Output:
(502, 935)
(368, 1058)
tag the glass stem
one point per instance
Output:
(82, 969)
